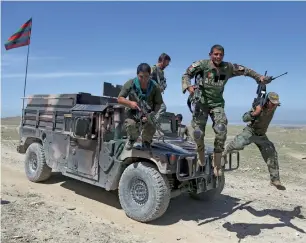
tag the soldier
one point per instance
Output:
(255, 132)
(146, 89)
(183, 130)
(158, 76)
(209, 99)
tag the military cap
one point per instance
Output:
(274, 98)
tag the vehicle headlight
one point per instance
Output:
(172, 158)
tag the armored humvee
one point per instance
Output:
(83, 137)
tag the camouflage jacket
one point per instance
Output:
(158, 76)
(260, 124)
(153, 98)
(213, 79)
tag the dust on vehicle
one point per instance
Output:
(83, 137)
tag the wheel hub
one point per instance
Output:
(139, 191)
(33, 162)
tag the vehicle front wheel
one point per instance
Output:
(212, 194)
(36, 167)
(144, 193)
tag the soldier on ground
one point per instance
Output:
(146, 89)
(255, 132)
(158, 76)
(208, 99)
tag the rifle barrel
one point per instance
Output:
(279, 75)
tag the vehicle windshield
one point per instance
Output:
(167, 125)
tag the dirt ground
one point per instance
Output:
(65, 210)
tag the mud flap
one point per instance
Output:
(229, 164)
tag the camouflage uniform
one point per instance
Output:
(184, 132)
(158, 76)
(255, 132)
(132, 124)
(211, 102)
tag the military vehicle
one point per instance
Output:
(83, 137)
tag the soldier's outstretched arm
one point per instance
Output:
(194, 68)
(239, 70)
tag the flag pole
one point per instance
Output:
(26, 72)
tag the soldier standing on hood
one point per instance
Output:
(209, 99)
(157, 74)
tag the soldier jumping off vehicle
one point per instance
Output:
(207, 98)
(255, 132)
(157, 74)
(147, 90)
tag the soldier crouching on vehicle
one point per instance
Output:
(255, 132)
(207, 98)
(157, 74)
(147, 90)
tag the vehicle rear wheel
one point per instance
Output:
(144, 193)
(211, 194)
(36, 167)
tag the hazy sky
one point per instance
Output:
(78, 45)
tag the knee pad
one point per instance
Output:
(197, 134)
(220, 128)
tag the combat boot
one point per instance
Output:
(278, 185)
(217, 164)
(129, 144)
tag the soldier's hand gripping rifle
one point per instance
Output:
(195, 97)
(260, 100)
(147, 112)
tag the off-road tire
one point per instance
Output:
(41, 171)
(212, 194)
(156, 188)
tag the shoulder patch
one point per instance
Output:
(196, 64)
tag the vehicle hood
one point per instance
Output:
(178, 145)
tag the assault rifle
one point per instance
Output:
(146, 112)
(192, 99)
(261, 92)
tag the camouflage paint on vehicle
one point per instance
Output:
(83, 137)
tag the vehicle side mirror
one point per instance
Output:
(81, 127)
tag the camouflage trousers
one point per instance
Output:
(265, 146)
(199, 121)
(161, 111)
(134, 128)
